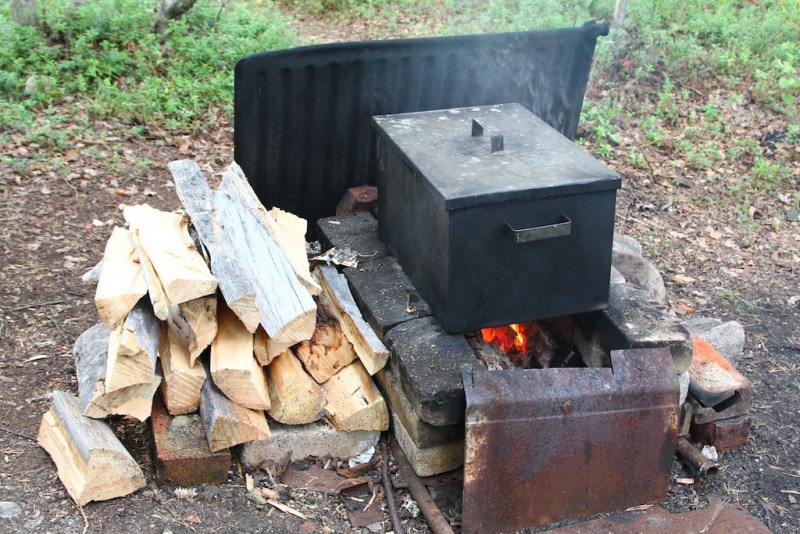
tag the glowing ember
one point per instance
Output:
(526, 344)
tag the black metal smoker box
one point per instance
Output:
(496, 217)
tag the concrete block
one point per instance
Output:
(432, 460)
(180, 450)
(385, 294)
(356, 231)
(300, 441)
(632, 322)
(725, 434)
(423, 435)
(428, 362)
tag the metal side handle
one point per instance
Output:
(526, 235)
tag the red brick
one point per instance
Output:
(181, 453)
(360, 198)
(724, 435)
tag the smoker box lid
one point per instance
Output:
(535, 161)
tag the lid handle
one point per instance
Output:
(497, 138)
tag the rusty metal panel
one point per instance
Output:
(550, 444)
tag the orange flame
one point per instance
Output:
(512, 338)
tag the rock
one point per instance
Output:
(683, 383)
(629, 243)
(637, 270)
(726, 337)
(616, 276)
(9, 509)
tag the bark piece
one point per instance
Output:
(91, 352)
(194, 323)
(165, 239)
(354, 402)
(371, 351)
(328, 351)
(121, 283)
(295, 397)
(255, 277)
(91, 461)
(133, 349)
(227, 423)
(234, 368)
(181, 380)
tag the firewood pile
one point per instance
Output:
(216, 309)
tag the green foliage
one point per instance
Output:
(104, 54)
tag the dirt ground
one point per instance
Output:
(57, 214)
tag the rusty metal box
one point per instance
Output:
(550, 444)
(495, 216)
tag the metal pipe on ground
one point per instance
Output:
(430, 511)
(696, 459)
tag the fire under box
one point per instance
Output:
(495, 216)
(550, 444)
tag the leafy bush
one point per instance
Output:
(104, 53)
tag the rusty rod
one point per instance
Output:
(397, 526)
(430, 511)
(690, 454)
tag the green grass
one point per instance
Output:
(104, 57)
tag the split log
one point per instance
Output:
(255, 278)
(121, 283)
(371, 351)
(181, 381)
(286, 229)
(165, 239)
(354, 402)
(92, 463)
(91, 352)
(227, 423)
(267, 349)
(234, 368)
(328, 351)
(194, 323)
(158, 299)
(133, 349)
(295, 397)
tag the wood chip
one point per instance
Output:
(284, 508)
(685, 481)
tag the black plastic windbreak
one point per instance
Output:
(302, 116)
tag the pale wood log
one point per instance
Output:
(267, 349)
(370, 349)
(227, 423)
(354, 402)
(158, 299)
(121, 283)
(286, 229)
(165, 239)
(255, 278)
(234, 368)
(133, 349)
(295, 397)
(92, 463)
(181, 381)
(194, 323)
(91, 353)
(328, 351)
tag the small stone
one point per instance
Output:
(9, 509)
(683, 382)
(727, 337)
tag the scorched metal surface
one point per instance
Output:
(550, 444)
(495, 216)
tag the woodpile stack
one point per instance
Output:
(216, 308)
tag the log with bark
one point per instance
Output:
(194, 323)
(133, 349)
(227, 423)
(354, 401)
(181, 380)
(91, 461)
(328, 351)
(267, 349)
(255, 278)
(370, 349)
